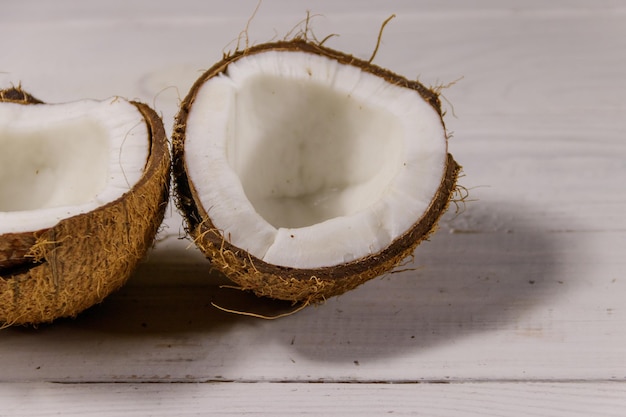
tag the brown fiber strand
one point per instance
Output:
(380, 36)
(244, 33)
(261, 316)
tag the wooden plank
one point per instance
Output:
(226, 399)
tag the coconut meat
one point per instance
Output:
(306, 162)
(60, 160)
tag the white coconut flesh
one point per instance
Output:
(60, 160)
(305, 162)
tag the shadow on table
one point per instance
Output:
(481, 272)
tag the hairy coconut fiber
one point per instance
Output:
(60, 271)
(289, 283)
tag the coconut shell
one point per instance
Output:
(288, 283)
(61, 271)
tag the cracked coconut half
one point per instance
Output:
(303, 172)
(83, 189)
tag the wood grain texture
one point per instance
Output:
(517, 301)
(431, 400)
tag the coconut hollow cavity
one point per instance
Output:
(303, 172)
(83, 190)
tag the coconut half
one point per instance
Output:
(303, 172)
(83, 190)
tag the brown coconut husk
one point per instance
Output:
(61, 271)
(287, 283)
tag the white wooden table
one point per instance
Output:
(516, 307)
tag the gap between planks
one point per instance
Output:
(340, 381)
